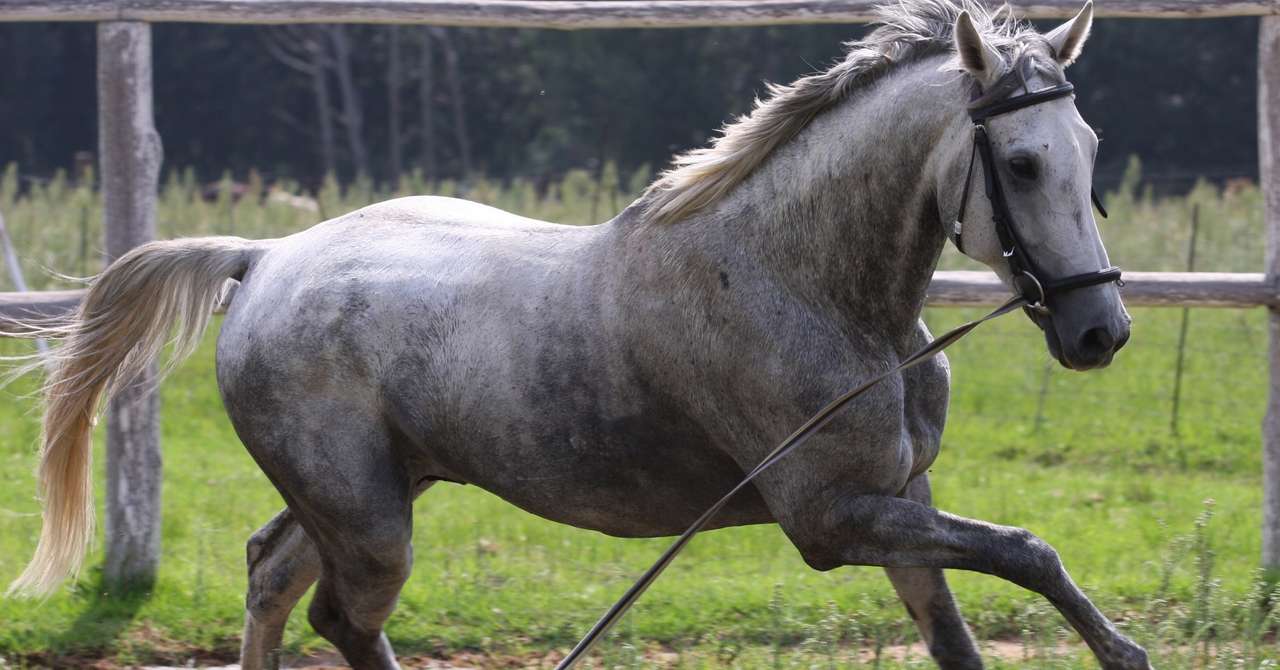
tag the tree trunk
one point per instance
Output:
(426, 104)
(395, 81)
(352, 115)
(324, 106)
(453, 72)
(303, 48)
(130, 149)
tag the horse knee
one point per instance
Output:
(1030, 561)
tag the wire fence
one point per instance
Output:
(1170, 400)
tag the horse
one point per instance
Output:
(620, 377)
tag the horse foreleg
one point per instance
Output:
(892, 532)
(928, 600)
(283, 564)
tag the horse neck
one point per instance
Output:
(845, 214)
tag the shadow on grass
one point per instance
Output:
(107, 612)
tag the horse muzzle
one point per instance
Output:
(1084, 329)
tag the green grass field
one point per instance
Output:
(1088, 461)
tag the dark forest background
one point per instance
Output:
(295, 102)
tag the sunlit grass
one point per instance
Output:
(1088, 461)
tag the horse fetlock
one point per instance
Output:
(1125, 654)
(957, 662)
(952, 645)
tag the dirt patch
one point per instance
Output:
(177, 659)
(1002, 649)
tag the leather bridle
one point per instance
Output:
(1029, 279)
(1033, 293)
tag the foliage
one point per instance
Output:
(541, 102)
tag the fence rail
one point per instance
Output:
(948, 289)
(35, 305)
(566, 14)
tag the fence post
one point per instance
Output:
(1269, 171)
(129, 147)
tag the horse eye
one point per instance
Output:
(1022, 167)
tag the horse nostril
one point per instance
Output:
(1097, 342)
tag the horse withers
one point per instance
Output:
(621, 377)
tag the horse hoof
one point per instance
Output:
(1127, 656)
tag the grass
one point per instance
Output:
(1089, 462)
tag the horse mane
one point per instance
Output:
(906, 30)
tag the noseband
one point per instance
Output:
(1029, 279)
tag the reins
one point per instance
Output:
(1033, 292)
(793, 442)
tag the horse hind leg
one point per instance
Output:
(339, 472)
(929, 601)
(283, 564)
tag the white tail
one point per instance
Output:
(121, 327)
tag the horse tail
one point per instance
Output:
(119, 330)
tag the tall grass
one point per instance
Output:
(57, 223)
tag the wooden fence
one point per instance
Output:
(129, 157)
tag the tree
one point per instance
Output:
(304, 49)
(426, 105)
(395, 82)
(456, 99)
(352, 114)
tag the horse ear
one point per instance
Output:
(1068, 39)
(978, 58)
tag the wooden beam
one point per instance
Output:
(15, 275)
(36, 306)
(566, 14)
(1269, 171)
(948, 289)
(129, 147)
(1141, 289)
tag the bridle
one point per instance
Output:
(1033, 292)
(1028, 278)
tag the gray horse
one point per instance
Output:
(621, 377)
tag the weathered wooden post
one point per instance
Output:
(1269, 164)
(129, 147)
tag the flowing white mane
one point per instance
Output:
(907, 30)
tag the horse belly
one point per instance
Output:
(619, 498)
(646, 471)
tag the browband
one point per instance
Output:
(980, 114)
